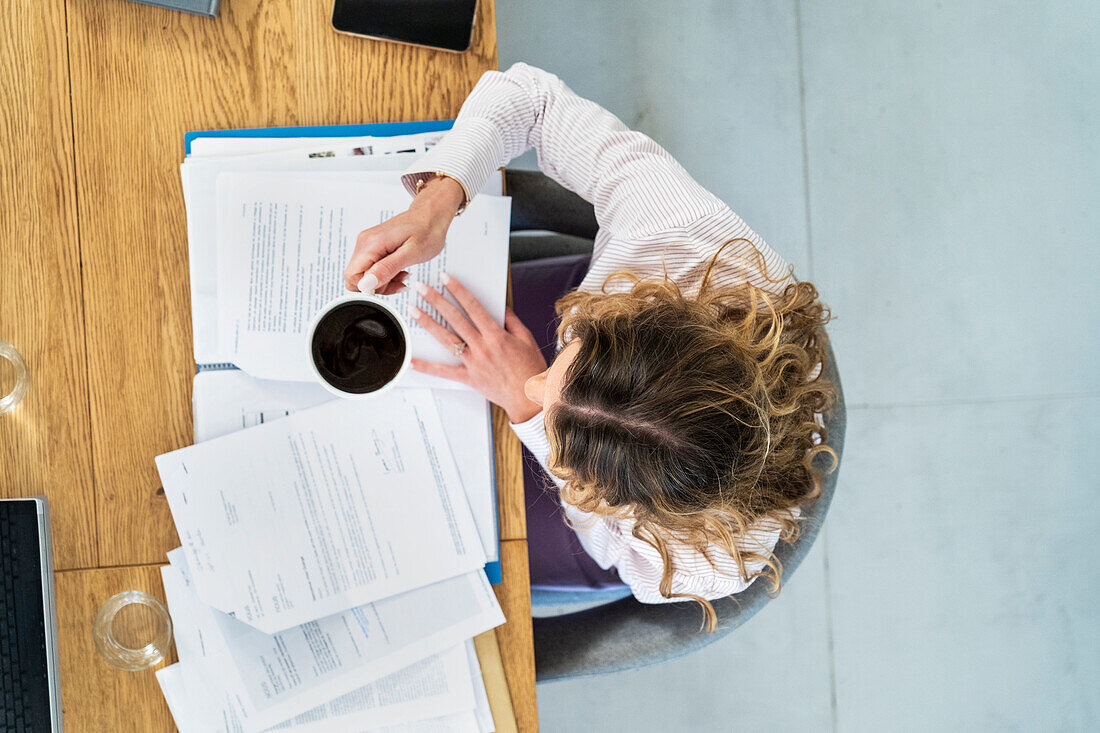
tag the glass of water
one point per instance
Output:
(14, 377)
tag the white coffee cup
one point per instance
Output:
(358, 346)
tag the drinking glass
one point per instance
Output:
(16, 374)
(132, 631)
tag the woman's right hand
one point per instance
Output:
(412, 237)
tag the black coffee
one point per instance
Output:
(358, 347)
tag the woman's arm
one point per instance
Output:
(655, 219)
(384, 251)
(637, 188)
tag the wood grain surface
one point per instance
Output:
(511, 505)
(141, 78)
(496, 682)
(511, 510)
(44, 442)
(516, 637)
(95, 696)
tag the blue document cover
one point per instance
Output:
(378, 129)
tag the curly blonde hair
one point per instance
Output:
(694, 416)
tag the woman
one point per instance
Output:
(680, 418)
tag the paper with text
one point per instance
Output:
(330, 508)
(385, 157)
(230, 400)
(199, 178)
(206, 147)
(390, 661)
(197, 706)
(283, 244)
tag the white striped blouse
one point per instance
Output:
(653, 218)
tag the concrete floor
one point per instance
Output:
(933, 168)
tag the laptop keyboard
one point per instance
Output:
(24, 690)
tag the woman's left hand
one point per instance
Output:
(497, 361)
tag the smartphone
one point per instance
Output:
(446, 24)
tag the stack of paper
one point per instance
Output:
(333, 566)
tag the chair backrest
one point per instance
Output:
(539, 202)
(626, 634)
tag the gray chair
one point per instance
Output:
(623, 633)
(539, 204)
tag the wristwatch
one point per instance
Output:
(422, 181)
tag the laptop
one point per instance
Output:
(30, 693)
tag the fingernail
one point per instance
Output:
(368, 284)
(445, 278)
(416, 285)
(415, 312)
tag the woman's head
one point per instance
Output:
(692, 415)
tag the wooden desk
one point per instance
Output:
(94, 100)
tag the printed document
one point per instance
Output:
(410, 647)
(283, 244)
(224, 401)
(203, 148)
(200, 179)
(326, 509)
(430, 687)
(197, 706)
(387, 157)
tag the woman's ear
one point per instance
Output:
(535, 387)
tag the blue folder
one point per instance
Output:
(377, 129)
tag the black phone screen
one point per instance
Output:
(440, 23)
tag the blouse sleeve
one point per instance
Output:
(532, 434)
(610, 542)
(636, 187)
(653, 215)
